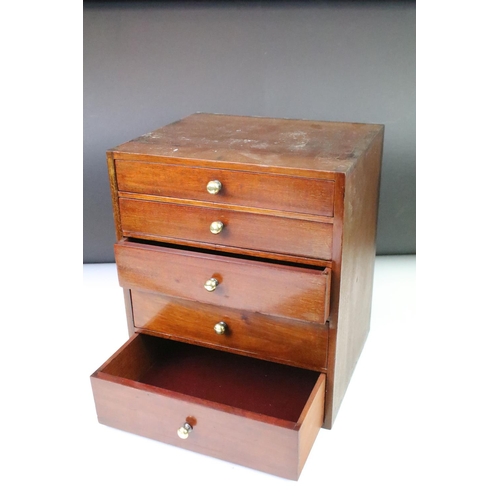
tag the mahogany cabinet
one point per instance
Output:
(245, 249)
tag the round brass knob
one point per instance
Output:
(184, 430)
(211, 284)
(220, 328)
(213, 187)
(216, 227)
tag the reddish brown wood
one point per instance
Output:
(237, 252)
(357, 264)
(311, 421)
(334, 295)
(186, 223)
(296, 343)
(227, 206)
(114, 195)
(310, 149)
(128, 311)
(275, 192)
(132, 360)
(296, 192)
(271, 389)
(277, 289)
(243, 428)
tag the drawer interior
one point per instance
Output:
(320, 266)
(244, 383)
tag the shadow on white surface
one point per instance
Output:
(404, 430)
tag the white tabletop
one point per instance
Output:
(402, 432)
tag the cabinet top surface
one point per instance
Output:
(299, 145)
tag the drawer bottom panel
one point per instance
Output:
(247, 411)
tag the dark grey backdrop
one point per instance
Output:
(148, 64)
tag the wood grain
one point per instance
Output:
(250, 438)
(186, 223)
(276, 289)
(311, 421)
(303, 193)
(114, 195)
(296, 343)
(356, 279)
(313, 149)
(275, 192)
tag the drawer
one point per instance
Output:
(275, 192)
(277, 289)
(251, 412)
(191, 224)
(293, 342)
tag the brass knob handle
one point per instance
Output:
(211, 284)
(216, 227)
(213, 187)
(220, 328)
(184, 430)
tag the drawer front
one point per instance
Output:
(281, 290)
(275, 192)
(190, 224)
(277, 446)
(293, 342)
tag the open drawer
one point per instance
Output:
(277, 289)
(255, 413)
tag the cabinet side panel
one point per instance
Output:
(114, 196)
(338, 223)
(127, 295)
(119, 233)
(357, 265)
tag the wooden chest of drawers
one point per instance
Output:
(245, 248)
